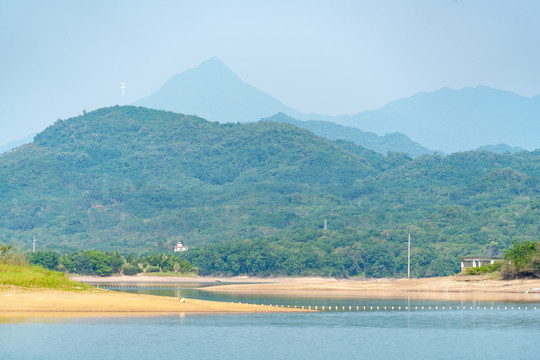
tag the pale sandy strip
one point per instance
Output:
(89, 303)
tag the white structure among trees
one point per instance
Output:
(180, 247)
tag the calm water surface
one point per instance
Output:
(420, 334)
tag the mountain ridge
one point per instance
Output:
(457, 119)
(449, 120)
(396, 142)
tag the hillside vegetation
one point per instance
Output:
(139, 180)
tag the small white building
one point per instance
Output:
(180, 247)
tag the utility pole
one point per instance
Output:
(34, 245)
(409, 259)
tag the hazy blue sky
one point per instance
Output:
(330, 57)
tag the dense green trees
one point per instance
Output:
(338, 253)
(46, 259)
(137, 180)
(94, 262)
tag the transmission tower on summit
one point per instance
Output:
(122, 88)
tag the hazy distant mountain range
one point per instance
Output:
(457, 120)
(214, 92)
(446, 120)
(395, 142)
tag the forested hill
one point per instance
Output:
(134, 179)
(140, 179)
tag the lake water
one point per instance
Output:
(466, 333)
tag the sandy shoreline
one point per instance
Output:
(445, 288)
(41, 303)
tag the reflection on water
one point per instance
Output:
(342, 303)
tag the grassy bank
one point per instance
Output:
(32, 276)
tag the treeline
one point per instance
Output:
(344, 253)
(93, 262)
(350, 254)
(316, 253)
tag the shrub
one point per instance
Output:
(484, 269)
(130, 270)
(150, 269)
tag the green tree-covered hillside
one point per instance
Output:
(139, 180)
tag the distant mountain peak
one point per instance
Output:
(213, 91)
(214, 66)
(213, 62)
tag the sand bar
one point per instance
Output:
(17, 302)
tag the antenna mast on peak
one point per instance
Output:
(122, 88)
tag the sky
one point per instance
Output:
(329, 57)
